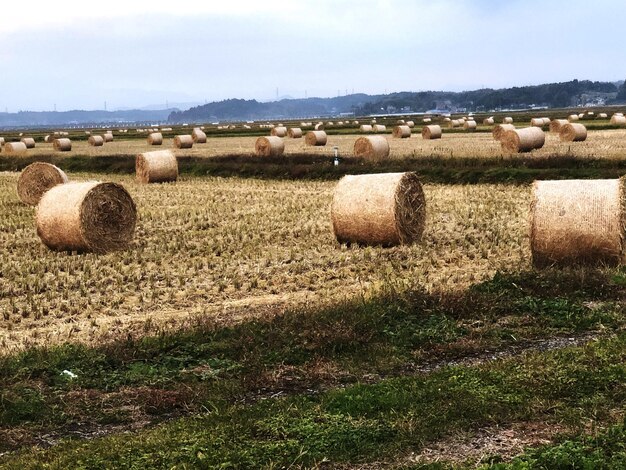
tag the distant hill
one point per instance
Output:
(551, 95)
(66, 118)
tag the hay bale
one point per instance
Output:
(279, 131)
(89, 216)
(366, 128)
(431, 132)
(573, 118)
(490, 121)
(507, 120)
(371, 147)
(294, 132)
(400, 122)
(62, 145)
(108, 137)
(546, 121)
(36, 179)
(319, 126)
(411, 124)
(556, 124)
(379, 128)
(454, 123)
(198, 136)
(317, 138)
(602, 116)
(618, 120)
(96, 140)
(573, 132)
(271, 146)
(380, 209)
(183, 141)
(426, 120)
(156, 167)
(155, 138)
(499, 130)
(577, 222)
(537, 122)
(469, 125)
(2, 142)
(29, 142)
(401, 132)
(48, 138)
(522, 140)
(15, 148)
(447, 119)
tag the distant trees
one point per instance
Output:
(621, 93)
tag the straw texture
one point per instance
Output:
(15, 148)
(469, 125)
(156, 167)
(366, 128)
(499, 130)
(556, 124)
(271, 146)
(522, 140)
(29, 142)
(294, 132)
(279, 131)
(183, 141)
(96, 140)
(401, 132)
(36, 179)
(573, 132)
(198, 136)
(379, 128)
(431, 132)
(317, 138)
(155, 138)
(62, 145)
(618, 120)
(371, 147)
(507, 120)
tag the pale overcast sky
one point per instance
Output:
(136, 53)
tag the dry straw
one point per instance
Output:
(490, 121)
(431, 132)
(411, 124)
(294, 132)
(573, 117)
(546, 121)
(48, 138)
(537, 122)
(469, 125)
(618, 120)
(155, 138)
(602, 116)
(198, 136)
(319, 126)
(317, 138)
(380, 209)
(62, 145)
(15, 148)
(2, 141)
(88, 216)
(96, 140)
(426, 120)
(108, 137)
(366, 128)
(454, 123)
(379, 128)
(36, 179)
(29, 142)
(507, 120)
(522, 140)
(156, 167)
(184, 141)
(499, 130)
(573, 132)
(556, 124)
(279, 131)
(401, 132)
(371, 147)
(271, 146)
(577, 222)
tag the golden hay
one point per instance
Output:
(279, 131)
(401, 132)
(577, 221)
(426, 120)
(379, 128)
(271, 146)
(15, 147)
(198, 136)
(155, 138)
(602, 116)
(431, 132)
(29, 142)
(573, 117)
(522, 140)
(573, 132)
(62, 145)
(2, 141)
(537, 122)
(499, 130)
(411, 124)
(556, 124)
(96, 140)
(489, 121)
(156, 167)
(319, 126)
(546, 121)
(372, 147)
(88, 216)
(317, 138)
(380, 209)
(36, 179)
(108, 137)
(454, 123)
(507, 120)
(618, 120)
(447, 119)
(469, 125)
(48, 138)
(183, 141)
(366, 128)
(294, 132)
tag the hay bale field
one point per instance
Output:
(15, 148)
(271, 146)
(379, 128)
(294, 133)
(155, 138)
(198, 136)
(156, 167)
(183, 141)
(573, 132)
(29, 142)
(316, 138)
(401, 132)
(372, 147)
(366, 128)
(279, 131)
(431, 132)
(62, 145)
(499, 130)
(469, 125)
(96, 140)
(522, 140)
(36, 179)
(556, 124)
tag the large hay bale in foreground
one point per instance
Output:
(469, 125)
(573, 132)
(507, 120)
(379, 128)
(294, 132)
(372, 147)
(431, 132)
(380, 209)
(62, 145)
(523, 140)
(198, 136)
(317, 138)
(577, 222)
(279, 131)
(556, 124)
(499, 130)
(183, 141)
(155, 138)
(36, 179)
(96, 140)
(88, 216)
(401, 132)
(15, 148)
(271, 146)
(108, 137)
(29, 142)
(156, 167)
(618, 120)
(366, 128)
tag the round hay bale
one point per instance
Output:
(183, 141)
(431, 132)
(400, 122)
(62, 145)
(454, 123)
(489, 121)
(499, 130)
(581, 115)
(294, 132)
(36, 179)
(316, 138)
(411, 124)
(577, 222)
(156, 167)
(602, 116)
(366, 128)
(469, 125)
(556, 124)
(96, 140)
(522, 140)
(88, 216)
(618, 120)
(2, 142)
(447, 119)
(379, 128)
(507, 120)
(48, 138)
(319, 126)
(29, 142)
(379, 209)
(371, 147)
(573, 118)
(401, 132)
(107, 137)
(271, 146)
(573, 132)
(198, 136)
(15, 148)
(546, 121)
(537, 122)
(155, 138)
(279, 131)
(426, 120)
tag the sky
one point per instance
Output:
(76, 55)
